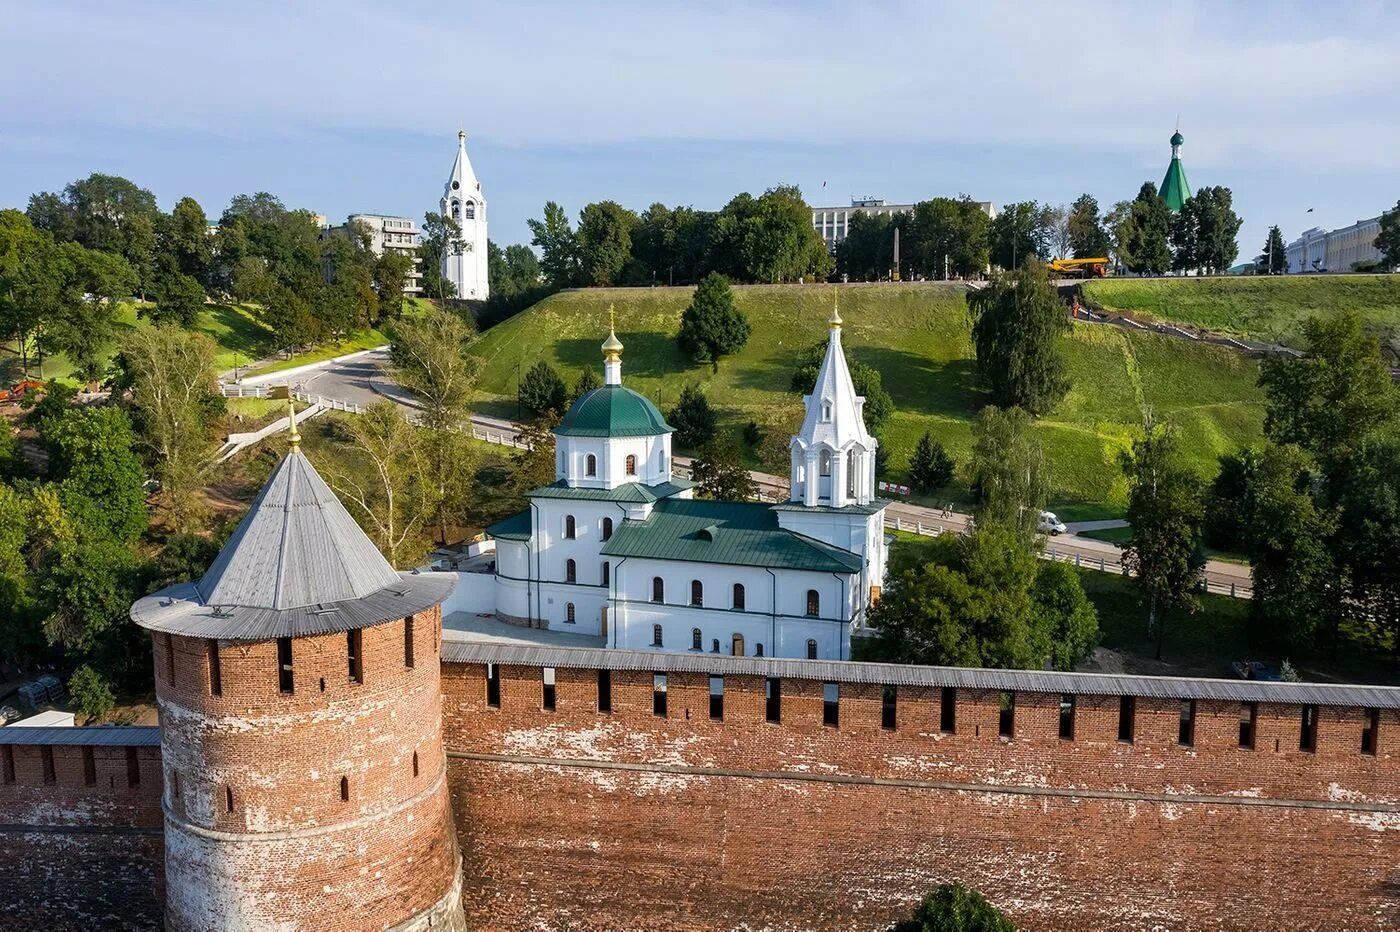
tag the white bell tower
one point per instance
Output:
(833, 454)
(463, 201)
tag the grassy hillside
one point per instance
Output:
(919, 337)
(1261, 308)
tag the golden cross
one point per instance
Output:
(612, 318)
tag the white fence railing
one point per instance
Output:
(329, 403)
(233, 390)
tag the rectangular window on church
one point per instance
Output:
(1371, 732)
(1067, 716)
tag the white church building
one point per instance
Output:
(618, 548)
(463, 201)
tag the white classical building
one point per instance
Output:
(1319, 250)
(832, 223)
(619, 549)
(463, 201)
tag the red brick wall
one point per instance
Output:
(630, 820)
(384, 854)
(77, 854)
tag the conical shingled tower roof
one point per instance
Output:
(297, 564)
(297, 546)
(835, 416)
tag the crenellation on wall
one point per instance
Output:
(804, 824)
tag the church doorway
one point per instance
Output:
(738, 645)
(603, 622)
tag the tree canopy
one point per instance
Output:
(1018, 323)
(711, 325)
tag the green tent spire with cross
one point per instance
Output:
(1175, 189)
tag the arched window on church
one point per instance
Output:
(631, 464)
(695, 639)
(826, 463)
(658, 589)
(851, 473)
(456, 211)
(739, 596)
(697, 592)
(814, 603)
(607, 528)
(570, 527)
(471, 211)
(570, 571)
(826, 411)
(811, 649)
(592, 465)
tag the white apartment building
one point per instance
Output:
(396, 234)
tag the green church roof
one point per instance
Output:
(1175, 189)
(612, 411)
(733, 533)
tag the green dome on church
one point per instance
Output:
(613, 411)
(1177, 139)
(1175, 189)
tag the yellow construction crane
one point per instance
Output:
(1077, 268)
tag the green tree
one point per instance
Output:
(442, 237)
(1288, 539)
(558, 246)
(604, 241)
(867, 252)
(183, 238)
(87, 583)
(693, 419)
(1329, 399)
(1020, 234)
(1204, 232)
(954, 908)
(719, 471)
(177, 406)
(587, 381)
(381, 474)
(31, 282)
(1273, 259)
(711, 325)
(946, 238)
(1018, 323)
(1164, 513)
(84, 323)
(105, 213)
(390, 275)
(1062, 610)
(1388, 239)
(90, 694)
(769, 238)
(542, 391)
(92, 457)
(1149, 221)
(179, 298)
(1119, 224)
(1224, 527)
(1008, 472)
(1087, 237)
(1367, 540)
(21, 634)
(930, 468)
(533, 464)
(429, 355)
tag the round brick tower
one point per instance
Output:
(300, 711)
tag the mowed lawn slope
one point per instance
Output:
(919, 337)
(1265, 308)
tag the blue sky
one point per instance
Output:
(343, 107)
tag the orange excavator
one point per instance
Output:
(1079, 268)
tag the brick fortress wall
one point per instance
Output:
(629, 819)
(328, 800)
(80, 830)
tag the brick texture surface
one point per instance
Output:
(79, 854)
(573, 818)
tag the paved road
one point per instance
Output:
(362, 381)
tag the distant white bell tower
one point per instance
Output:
(463, 201)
